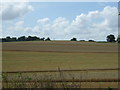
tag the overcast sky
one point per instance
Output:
(60, 20)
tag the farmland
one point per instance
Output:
(60, 46)
(68, 55)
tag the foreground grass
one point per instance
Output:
(59, 79)
(20, 61)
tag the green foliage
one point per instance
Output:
(19, 75)
(91, 41)
(74, 39)
(48, 39)
(28, 78)
(119, 13)
(4, 76)
(23, 38)
(82, 40)
(111, 38)
(110, 88)
(118, 39)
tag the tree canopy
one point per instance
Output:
(74, 39)
(110, 38)
(23, 38)
(48, 39)
(118, 39)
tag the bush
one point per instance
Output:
(82, 40)
(91, 41)
(48, 39)
(74, 39)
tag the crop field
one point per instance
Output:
(35, 59)
(60, 46)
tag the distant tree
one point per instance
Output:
(0, 39)
(29, 38)
(110, 38)
(82, 40)
(35, 38)
(74, 39)
(32, 38)
(13, 39)
(22, 38)
(4, 40)
(8, 39)
(118, 39)
(42, 39)
(48, 39)
(91, 40)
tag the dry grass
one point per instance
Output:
(59, 79)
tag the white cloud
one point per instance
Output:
(20, 23)
(58, 26)
(10, 10)
(93, 25)
(44, 20)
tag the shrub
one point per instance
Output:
(74, 39)
(91, 41)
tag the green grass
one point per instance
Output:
(19, 61)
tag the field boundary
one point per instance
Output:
(69, 80)
(58, 51)
(103, 69)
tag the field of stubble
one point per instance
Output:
(66, 55)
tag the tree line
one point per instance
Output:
(23, 38)
(109, 38)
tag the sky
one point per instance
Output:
(60, 20)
